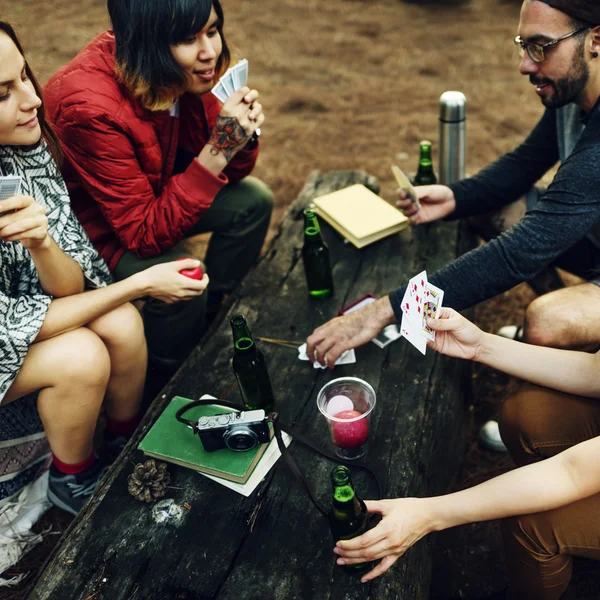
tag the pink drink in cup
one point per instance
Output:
(347, 403)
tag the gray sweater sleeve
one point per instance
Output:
(509, 177)
(563, 216)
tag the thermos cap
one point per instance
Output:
(453, 107)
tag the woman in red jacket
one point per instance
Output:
(152, 157)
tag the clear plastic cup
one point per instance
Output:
(347, 403)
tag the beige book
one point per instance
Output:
(361, 216)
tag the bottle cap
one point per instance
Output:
(453, 107)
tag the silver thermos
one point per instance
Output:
(453, 115)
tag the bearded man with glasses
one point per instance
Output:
(559, 41)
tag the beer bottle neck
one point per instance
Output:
(244, 344)
(312, 235)
(311, 223)
(242, 338)
(425, 161)
(346, 504)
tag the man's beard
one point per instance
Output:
(566, 90)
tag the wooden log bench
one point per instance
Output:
(274, 544)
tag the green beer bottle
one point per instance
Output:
(348, 517)
(315, 256)
(250, 368)
(425, 174)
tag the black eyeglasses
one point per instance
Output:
(537, 52)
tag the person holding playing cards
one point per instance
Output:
(152, 157)
(550, 504)
(559, 43)
(69, 342)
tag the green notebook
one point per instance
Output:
(172, 441)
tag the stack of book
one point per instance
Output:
(174, 442)
(361, 216)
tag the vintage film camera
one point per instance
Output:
(239, 431)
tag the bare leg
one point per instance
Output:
(122, 332)
(567, 318)
(71, 371)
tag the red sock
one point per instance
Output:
(73, 469)
(122, 428)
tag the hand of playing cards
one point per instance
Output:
(422, 300)
(235, 78)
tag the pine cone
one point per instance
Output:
(149, 481)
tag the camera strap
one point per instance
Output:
(278, 427)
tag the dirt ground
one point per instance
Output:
(355, 84)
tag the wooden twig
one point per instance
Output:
(287, 343)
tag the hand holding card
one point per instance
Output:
(235, 78)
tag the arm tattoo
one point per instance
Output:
(227, 136)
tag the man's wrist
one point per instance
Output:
(384, 313)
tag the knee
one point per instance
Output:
(122, 329)
(533, 533)
(83, 359)
(518, 424)
(523, 421)
(260, 197)
(544, 322)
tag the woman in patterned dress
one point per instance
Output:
(64, 333)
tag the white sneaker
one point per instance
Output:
(489, 435)
(512, 332)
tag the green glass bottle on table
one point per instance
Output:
(348, 517)
(250, 368)
(425, 174)
(315, 256)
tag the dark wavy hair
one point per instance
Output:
(47, 132)
(144, 32)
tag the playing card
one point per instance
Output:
(346, 358)
(227, 82)
(414, 297)
(240, 74)
(431, 308)
(10, 185)
(220, 93)
(404, 183)
(387, 336)
(414, 334)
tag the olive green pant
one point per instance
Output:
(238, 219)
(537, 423)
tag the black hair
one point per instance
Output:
(144, 32)
(47, 132)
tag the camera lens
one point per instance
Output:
(240, 439)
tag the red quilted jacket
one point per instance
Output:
(119, 157)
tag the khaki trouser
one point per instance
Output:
(238, 219)
(537, 423)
